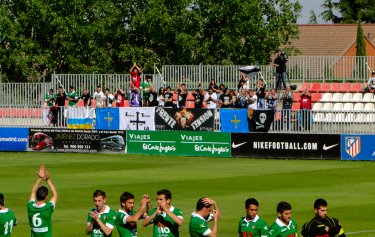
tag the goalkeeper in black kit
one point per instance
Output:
(322, 225)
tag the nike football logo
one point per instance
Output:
(329, 147)
(237, 145)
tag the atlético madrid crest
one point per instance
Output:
(353, 145)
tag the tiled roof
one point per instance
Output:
(330, 40)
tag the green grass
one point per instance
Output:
(347, 186)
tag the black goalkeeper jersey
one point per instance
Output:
(317, 227)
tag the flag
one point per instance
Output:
(80, 117)
(137, 118)
(107, 119)
(262, 120)
(234, 120)
(249, 71)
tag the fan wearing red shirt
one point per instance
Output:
(135, 73)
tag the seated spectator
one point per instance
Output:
(168, 98)
(272, 99)
(253, 100)
(108, 98)
(211, 98)
(371, 84)
(135, 97)
(161, 97)
(305, 100)
(120, 97)
(86, 97)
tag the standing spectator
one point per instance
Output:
(211, 98)
(280, 64)
(165, 217)
(153, 97)
(272, 99)
(86, 97)
(305, 107)
(135, 73)
(102, 219)
(244, 82)
(182, 94)
(161, 97)
(99, 96)
(242, 101)
(39, 210)
(135, 97)
(213, 85)
(253, 100)
(72, 96)
(145, 86)
(287, 98)
(225, 100)
(233, 94)
(321, 224)
(7, 219)
(260, 92)
(284, 226)
(50, 98)
(220, 90)
(371, 84)
(168, 98)
(252, 224)
(198, 226)
(108, 98)
(60, 103)
(120, 97)
(198, 98)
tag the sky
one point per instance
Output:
(307, 6)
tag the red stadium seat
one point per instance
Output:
(126, 103)
(326, 87)
(335, 87)
(80, 103)
(316, 97)
(357, 87)
(190, 104)
(296, 97)
(296, 106)
(278, 116)
(345, 87)
(316, 87)
(305, 85)
(204, 105)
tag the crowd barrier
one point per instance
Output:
(189, 143)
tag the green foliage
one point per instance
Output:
(313, 18)
(39, 37)
(350, 11)
(361, 43)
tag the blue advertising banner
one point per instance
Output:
(234, 120)
(13, 139)
(357, 147)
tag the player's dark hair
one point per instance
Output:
(126, 196)
(283, 206)
(106, 89)
(71, 87)
(98, 193)
(98, 86)
(166, 193)
(41, 193)
(251, 201)
(201, 204)
(1, 199)
(148, 77)
(320, 202)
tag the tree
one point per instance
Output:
(313, 18)
(350, 11)
(361, 51)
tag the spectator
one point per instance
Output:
(145, 86)
(109, 98)
(135, 73)
(305, 100)
(135, 97)
(60, 103)
(213, 85)
(287, 98)
(225, 100)
(161, 97)
(242, 101)
(211, 98)
(253, 100)
(371, 84)
(242, 85)
(272, 99)
(220, 90)
(120, 97)
(99, 96)
(153, 97)
(182, 94)
(168, 97)
(72, 96)
(280, 64)
(86, 97)
(50, 98)
(234, 98)
(305, 106)
(198, 98)
(260, 92)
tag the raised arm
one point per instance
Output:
(35, 188)
(140, 211)
(149, 219)
(53, 190)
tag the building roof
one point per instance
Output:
(330, 39)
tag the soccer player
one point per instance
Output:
(198, 226)
(39, 209)
(126, 219)
(252, 225)
(102, 219)
(166, 218)
(321, 224)
(285, 225)
(7, 219)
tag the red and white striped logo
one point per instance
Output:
(353, 146)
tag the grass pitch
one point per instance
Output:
(347, 186)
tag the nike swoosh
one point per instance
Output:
(237, 145)
(328, 147)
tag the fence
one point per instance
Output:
(304, 121)
(23, 94)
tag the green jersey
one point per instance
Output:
(72, 95)
(124, 228)
(198, 225)
(253, 228)
(164, 226)
(146, 86)
(108, 217)
(7, 221)
(40, 218)
(50, 99)
(279, 229)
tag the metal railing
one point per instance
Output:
(302, 121)
(23, 94)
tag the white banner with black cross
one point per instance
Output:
(137, 118)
